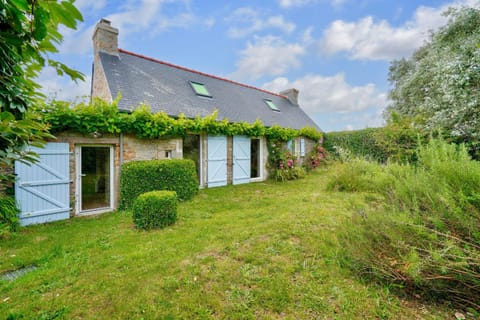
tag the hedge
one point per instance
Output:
(359, 143)
(155, 209)
(138, 177)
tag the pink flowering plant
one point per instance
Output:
(283, 165)
(315, 158)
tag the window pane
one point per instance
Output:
(191, 150)
(200, 89)
(271, 105)
(255, 158)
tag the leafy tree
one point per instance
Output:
(439, 86)
(28, 35)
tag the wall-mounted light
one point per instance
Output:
(96, 134)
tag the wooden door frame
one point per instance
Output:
(78, 180)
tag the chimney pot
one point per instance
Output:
(105, 21)
(105, 38)
(292, 95)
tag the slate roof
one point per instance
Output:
(166, 87)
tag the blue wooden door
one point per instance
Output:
(241, 159)
(217, 161)
(42, 189)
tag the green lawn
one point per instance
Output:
(256, 251)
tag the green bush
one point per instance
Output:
(8, 216)
(397, 141)
(358, 143)
(138, 177)
(427, 237)
(155, 209)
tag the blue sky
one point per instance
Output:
(335, 52)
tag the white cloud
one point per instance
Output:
(367, 39)
(62, 88)
(209, 22)
(307, 36)
(135, 16)
(251, 21)
(293, 3)
(331, 94)
(82, 5)
(267, 56)
(300, 3)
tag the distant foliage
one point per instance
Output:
(138, 177)
(8, 216)
(439, 86)
(155, 209)
(103, 117)
(396, 141)
(358, 143)
(427, 238)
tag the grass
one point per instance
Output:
(257, 251)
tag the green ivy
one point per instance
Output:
(100, 116)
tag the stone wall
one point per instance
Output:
(151, 149)
(100, 87)
(133, 149)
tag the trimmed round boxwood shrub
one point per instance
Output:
(138, 177)
(155, 209)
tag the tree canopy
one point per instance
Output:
(439, 86)
(29, 35)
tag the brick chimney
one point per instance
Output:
(292, 95)
(105, 38)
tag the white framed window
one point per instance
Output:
(302, 147)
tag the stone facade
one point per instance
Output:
(100, 87)
(129, 148)
(126, 148)
(142, 149)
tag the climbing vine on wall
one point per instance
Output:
(103, 117)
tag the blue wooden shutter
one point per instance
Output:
(241, 159)
(42, 189)
(302, 147)
(217, 161)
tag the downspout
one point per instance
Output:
(120, 141)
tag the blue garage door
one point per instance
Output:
(217, 161)
(42, 189)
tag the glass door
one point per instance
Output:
(95, 177)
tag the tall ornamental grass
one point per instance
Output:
(426, 238)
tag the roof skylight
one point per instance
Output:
(271, 105)
(200, 89)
